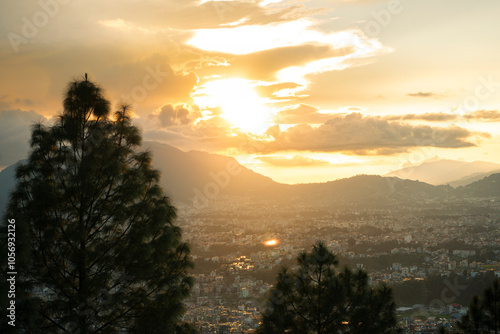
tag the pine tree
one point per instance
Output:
(97, 247)
(316, 298)
(483, 315)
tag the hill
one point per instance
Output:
(446, 172)
(195, 178)
(488, 187)
(373, 191)
(472, 178)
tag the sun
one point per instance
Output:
(239, 102)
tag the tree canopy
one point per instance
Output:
(316, 298)
(97, 247)
(483, 315)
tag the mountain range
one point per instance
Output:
(195, 178)
(451, 172)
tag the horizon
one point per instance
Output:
(301, 93)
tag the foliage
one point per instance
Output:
(97, 247)
(316, 298)
(483, 315)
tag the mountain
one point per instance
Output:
(471, 178)
(486, 188)
(372, 191)
(194, 178)
(446, 171)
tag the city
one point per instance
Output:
(405, 248)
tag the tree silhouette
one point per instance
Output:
(97, 247)
(483, 315)
(315, 298)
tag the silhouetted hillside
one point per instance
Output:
(373, 190)
(471, 178)
(487, 187)
(186, 175)
(196, 177)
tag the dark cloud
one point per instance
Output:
(355, 134)
(296, 161)
(27, 102)
(169, 116)
(15, 133)
(213, 134)
(303, 113)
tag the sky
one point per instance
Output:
(300, 91)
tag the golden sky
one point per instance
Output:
(300, 91)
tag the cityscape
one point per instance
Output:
(405, 248)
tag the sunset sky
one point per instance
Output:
(300, 91)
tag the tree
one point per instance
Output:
(483, 315)
(97, 247)
(316, 298)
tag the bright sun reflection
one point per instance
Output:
(239, 102)
(272, 242)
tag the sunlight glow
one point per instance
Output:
(253, 38)
(356, 47)
(272, 242)
(239, 102)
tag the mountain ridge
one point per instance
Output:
(445, 171)
(196, 178)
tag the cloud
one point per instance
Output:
(264, 65)
(484, 115)
(273, 89)
(169, 116)
(190, 14)
(430, 117)
(353, 134)
(145, 82)
(15, 133)
(287, 51)
(423, 94)
(356, 134)
(213, 133)
(481, 115)
(295, 161)
(302, 113)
